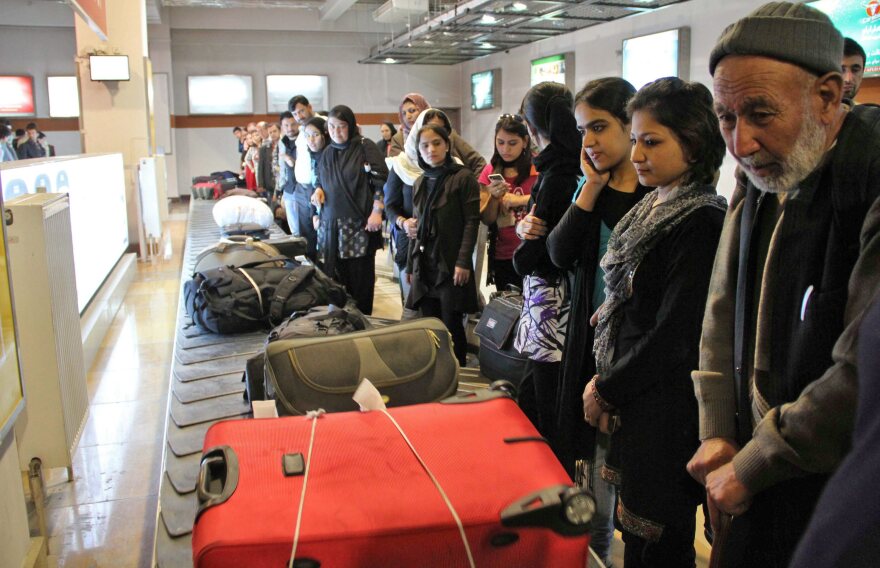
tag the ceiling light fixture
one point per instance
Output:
(389, 60)
(488, 19)
(518, 7)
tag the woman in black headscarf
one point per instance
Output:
(446, 211)
(350, 175)
(387, 131)
(547, 109)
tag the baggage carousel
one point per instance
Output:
(206, 386)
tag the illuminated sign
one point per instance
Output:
(860, 21)
(16, 95)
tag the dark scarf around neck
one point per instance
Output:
(636, 235)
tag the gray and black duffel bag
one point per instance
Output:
(410, 363)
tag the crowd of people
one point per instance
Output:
(23, 144)
(684, 350)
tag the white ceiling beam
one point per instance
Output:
(333, 9)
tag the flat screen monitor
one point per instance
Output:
(63, 97)
(220, 94)
(556, 68)
(649, 57)
(485, 89)
(859, 20)
(281, 88)
(109, 68)
(17, 95)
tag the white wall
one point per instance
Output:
(598, 54)
(365, 88)
(49, 51)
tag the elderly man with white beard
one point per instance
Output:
(797, 265)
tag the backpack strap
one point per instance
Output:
(286, 288)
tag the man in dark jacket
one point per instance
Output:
(31, 148)
(269, 160)
(795, 270)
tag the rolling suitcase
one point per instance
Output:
(449, 484)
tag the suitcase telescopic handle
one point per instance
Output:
(218, 477)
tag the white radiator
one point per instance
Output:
(50, 340)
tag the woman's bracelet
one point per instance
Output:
(603, 404)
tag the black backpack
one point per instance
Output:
(320, 321)
(257, 295)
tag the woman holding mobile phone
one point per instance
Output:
(609, 188)
(506, 183)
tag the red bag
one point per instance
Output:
(369, 502)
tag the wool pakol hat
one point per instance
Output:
(794, 33)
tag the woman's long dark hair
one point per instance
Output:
(685, 108)
(514, 125)
(548, 109)
(391, 127)
(345, 114)
(610, 94)
(321, 124)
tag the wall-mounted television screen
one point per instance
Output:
(650, 57)
(485, 89)
(281, 88)
(63, 97)
(109, 68)
(220, 94)
(859, 20)
(556, 68)
(17, 95)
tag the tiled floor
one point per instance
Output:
(106, 516)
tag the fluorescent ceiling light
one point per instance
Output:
(518, 6)
(488, 19)
(390, 60)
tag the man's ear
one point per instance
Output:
(829, 88)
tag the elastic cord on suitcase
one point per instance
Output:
(312, 415)
(455, 516)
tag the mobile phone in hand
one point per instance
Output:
(496, 178)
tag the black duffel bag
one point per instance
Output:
(499, 360)
(257, 295)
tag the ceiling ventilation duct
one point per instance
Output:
(399, 11)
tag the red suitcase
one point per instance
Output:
(369, 502)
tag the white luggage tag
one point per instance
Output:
(368, 397)
(265, 409)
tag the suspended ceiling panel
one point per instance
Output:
(475, 28)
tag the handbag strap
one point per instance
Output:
(285, 288)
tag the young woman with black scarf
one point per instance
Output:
(350, 176)
(657, 271)
(542, 326)
(446, 209)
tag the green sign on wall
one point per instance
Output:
(860, 20)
